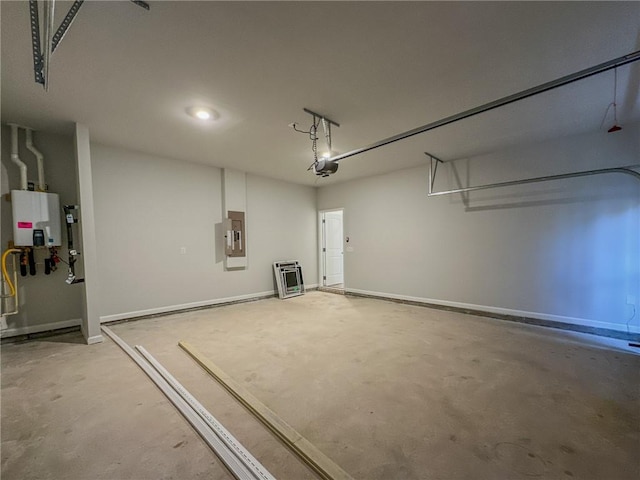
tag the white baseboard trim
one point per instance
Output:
(188, 306)
(185, 306)
(45, 327)
(501, 311)
(95, 339)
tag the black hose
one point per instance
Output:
(32, 263)
(23, 264)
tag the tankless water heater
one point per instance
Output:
(36, 219)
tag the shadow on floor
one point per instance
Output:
(71, 335)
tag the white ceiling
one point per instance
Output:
(377, 68)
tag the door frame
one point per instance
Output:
(321, 242)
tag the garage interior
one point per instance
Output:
(453, 186)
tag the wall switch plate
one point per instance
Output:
(631, 299)
(183, 250)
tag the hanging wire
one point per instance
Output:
(313, 136)
(612, 104)
(606, 114)
(615, 95)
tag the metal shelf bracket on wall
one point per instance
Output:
(433, 168)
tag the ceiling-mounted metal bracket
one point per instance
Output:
(323, 167)
(326, 125)
(433, 167)
(42, 53)
(321, 117)
(48, 34)
(35, 41)
(66, 23)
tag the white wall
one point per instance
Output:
(148, 208)
(566, 250)
(46, 301)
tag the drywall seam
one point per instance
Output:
(479, 309)
(192, 305)
(45, 327)
(305, 450)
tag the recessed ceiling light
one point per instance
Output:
(202, 113)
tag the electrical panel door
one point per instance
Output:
(235, 235)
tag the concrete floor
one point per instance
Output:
(387, 391)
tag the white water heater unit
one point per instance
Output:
(36, 219)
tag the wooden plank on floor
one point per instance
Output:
(308, 453)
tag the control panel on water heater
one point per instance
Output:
(36, 219)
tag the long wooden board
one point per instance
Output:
(308, 453)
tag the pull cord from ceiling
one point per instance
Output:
(615, 127)
(313, 136)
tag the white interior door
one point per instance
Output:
(333, 254)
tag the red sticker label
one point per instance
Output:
(25, 225)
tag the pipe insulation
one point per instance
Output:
(39, 158)
(15, 157)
